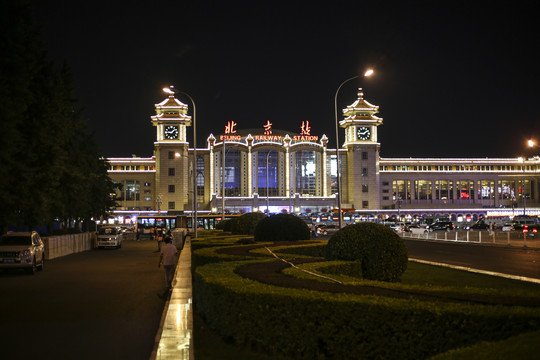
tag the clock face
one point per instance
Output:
(363, 133)
(171, 132)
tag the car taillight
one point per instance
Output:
(526, 229)
(534, 230)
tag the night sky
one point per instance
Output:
(459, 80)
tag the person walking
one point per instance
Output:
(167, 257)
(159, 239)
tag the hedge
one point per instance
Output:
(303, 324)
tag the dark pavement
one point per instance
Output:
(99, 304)
(507, 260)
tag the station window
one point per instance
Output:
(171, 155)
(364, 188)
(365, 204)
(364, 155)
(171, 205)
(171, 188)
(171, 171)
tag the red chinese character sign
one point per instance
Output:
(305, 129)
(305, 133)
(229, 128)
(267, 128)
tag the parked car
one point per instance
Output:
(519, 222)
(110, 237)
(327, 229)
(416, 229)
(22, 250)
(397, 226)
(507, 227)
(479, 225)
(530, 230)
(441, 225)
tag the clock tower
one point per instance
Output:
(171, 152)
(360, 124)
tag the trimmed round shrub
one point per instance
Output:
(225, 225)
(245, 224)
(281, 227)
(381, 252)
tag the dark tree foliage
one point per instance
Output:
(51, 167)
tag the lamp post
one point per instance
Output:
(267, 199)
(223, 184)
(366, 74)
(531, 144)
(170, 90)
(524, 193)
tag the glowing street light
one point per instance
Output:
(368, 72)
(170, 90)
(532, 144)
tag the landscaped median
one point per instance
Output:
(291, 319)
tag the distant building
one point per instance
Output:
(295, 171)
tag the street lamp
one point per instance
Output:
(267, 200)
(170, 90)
(522, 159)
(223, 167)
(369, 72)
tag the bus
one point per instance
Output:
(208, 221)
(146, 224)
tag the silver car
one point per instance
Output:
(22, 250)
(110, 237)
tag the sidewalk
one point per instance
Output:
(174, 339)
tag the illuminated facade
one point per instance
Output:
(265, 169)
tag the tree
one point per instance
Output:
(51, 167)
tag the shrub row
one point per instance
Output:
(302, 324)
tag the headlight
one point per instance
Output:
(26, 252)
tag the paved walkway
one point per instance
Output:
(174, 339)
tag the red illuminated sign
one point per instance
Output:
(305, 129)
(229, 128)
(267, 128)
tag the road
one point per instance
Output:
(99, 304)
(507, 260)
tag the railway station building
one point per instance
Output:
(265, 169)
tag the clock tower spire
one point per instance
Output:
(171, 152)
(360, 124)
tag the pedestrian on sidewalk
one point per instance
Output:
(159, 239)
(167, 257)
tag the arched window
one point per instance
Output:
(267, 172)
(306, 172)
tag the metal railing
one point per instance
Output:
(504, 238)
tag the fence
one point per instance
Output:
(507, 238)
(57, 246)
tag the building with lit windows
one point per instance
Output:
(270, 170)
